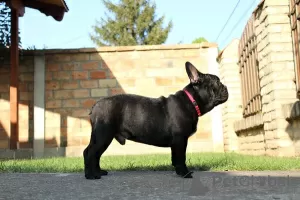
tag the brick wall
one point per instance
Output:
(277, 88)
(273, 131)
(26, 103)
(74, 82)
(75, 79)
(229, 75)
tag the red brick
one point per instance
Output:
(26, 96)
(69, 85)
(26, 77)
(80, 112)
(58, 57)
(71, 66)
(3, 144)
(88, 103)
(97, 74)
(53, 104)
(4, 95)
(48, 76)
(52, 85)
(104, 65)
(23, 87)
(89, 84)
(63, 94)
(109, 74)
(53, 67)
(4, 68)
(4, 87)
(61, 76)
(80, 75)
(63, 111)
(82, 93)
(163, 81)
(49, 94)
(115, 91)
(70, 103)
(30, 86)
(80, 57)
(90, 65)
(4, 78)
(25, 68)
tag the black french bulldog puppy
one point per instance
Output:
(163, 122)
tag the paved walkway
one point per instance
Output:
(152, 185)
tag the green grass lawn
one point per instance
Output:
(195, 161)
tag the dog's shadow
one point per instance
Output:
(163, 168)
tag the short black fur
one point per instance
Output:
(163, 122)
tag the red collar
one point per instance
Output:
(193, 102)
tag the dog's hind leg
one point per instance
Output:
(101, 138)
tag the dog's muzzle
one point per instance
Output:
(224, 94)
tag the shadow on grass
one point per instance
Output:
(195, 162)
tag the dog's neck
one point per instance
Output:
(193, 102)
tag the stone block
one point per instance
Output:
(107, 83)
(70, 103)
(115, 91)
(280, 4)
(53, 67)
(89, 83)
(53, 104)
(80, 57)
(52, 85)
(71, 66)
(98, 74)
(76, 75)
(99, 92)
(61, 75)
(63, 94)
(92, 65)
(69, 84)
(81, 93)
(277, 19)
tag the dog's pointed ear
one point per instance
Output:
(192, 72)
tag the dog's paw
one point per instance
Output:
(103, 172)
(183, 172)
(92, 176)
(188, 175)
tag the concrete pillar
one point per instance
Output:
(39, 106)
(216, 113)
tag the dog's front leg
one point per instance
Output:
(178, 150)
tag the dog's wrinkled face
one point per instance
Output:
(208, 88)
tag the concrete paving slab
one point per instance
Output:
(152, 185)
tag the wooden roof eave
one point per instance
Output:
(53, 8)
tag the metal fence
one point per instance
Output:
(248, 63)
(295, 24)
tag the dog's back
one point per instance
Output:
(133, 117)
